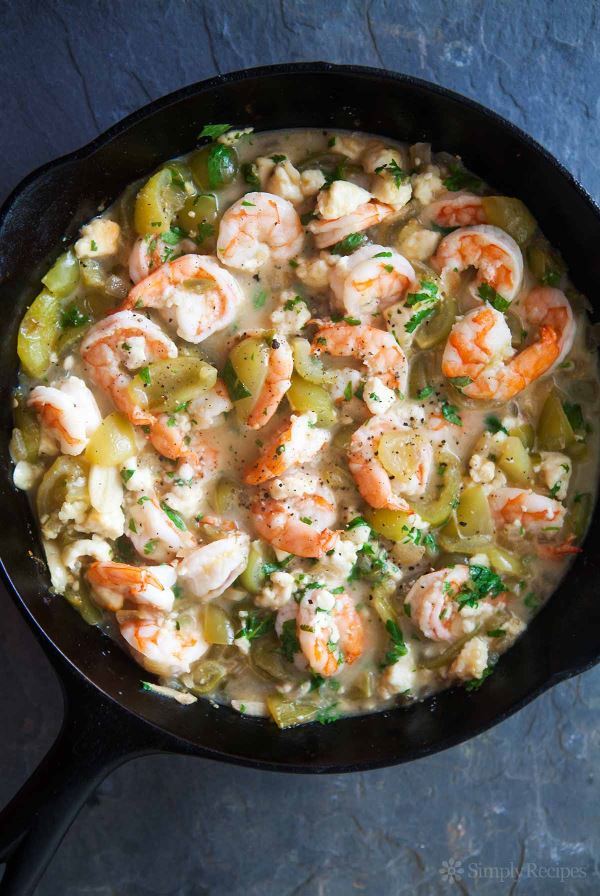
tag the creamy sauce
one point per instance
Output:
(232, 628)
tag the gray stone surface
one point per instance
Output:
(523, 796)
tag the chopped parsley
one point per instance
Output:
(461, 179)
(235, 387)
(306, 520)
(348, 392)
(214, 130)
(259, 299)
(398, 174)
(328, 714)
(483, 582)
(173, 236)
(411, 325)
(290, 305)
(255, 625)
(290, 644)
(551, 278)
(475, 683)
(419, 537)
(356, 522)
(73, 317)
(425, 392)
(398, 648)
(204, 231)
(493, 425)
(555, 489)
(126, 475)
(531, 602)
(144, 375)
(248, 204)
(349, 244)
(132, 526)
(575, 416)
(489, 294)
(428, 293)
(278, 159)
(450, 413)
(150, 546)
(175, 518)
(383, 255)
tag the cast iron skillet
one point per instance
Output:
(107, 718)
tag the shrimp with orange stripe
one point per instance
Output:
(494, 254)
(370, 280)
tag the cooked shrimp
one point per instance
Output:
(68, 413)
(377, 349)
(153, 533)
(147, 254)
(491, 251)
(208, 408)
(277, 381)
(164, 645)
(378, 487)
(296, 442)
(371, 279)
(257, 228)
(330, 631)
(179, 442)
(546, 306)
(211, 568)
(525, 511)
(193, 293)
(455, 210)
(299, 525)
(479, 348)
(124, 340)
(328, 232)
(115, 584)
(434, 608)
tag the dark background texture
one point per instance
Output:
(524, 795)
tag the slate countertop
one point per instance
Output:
(516, 807)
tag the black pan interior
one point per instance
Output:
(52, 204)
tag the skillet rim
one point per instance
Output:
(51, 648)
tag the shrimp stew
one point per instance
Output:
(306, 421)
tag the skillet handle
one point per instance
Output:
(95, 738)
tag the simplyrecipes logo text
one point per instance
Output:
(454, 870)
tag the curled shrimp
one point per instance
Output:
(524, 510)
(376, 485)
(164, 645)
(491, 251)
(298, 524)
(122, 342)
(175, 442)
(296, 442)
(328, 232)
(329, 630)
(434, 608)
(257, 228)
(68, 413)
(371, 279)
(115, 584)
(479, 348)
(545, 306)
(193, 293)
(377, 349)
(455, 210)
(211, 568)
(280, 366)
(154, 534)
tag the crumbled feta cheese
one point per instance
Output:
(230, 138)
(312, 181)
(285, 181)
(358, 535)
(98, 238)
(479, 560)
(472, 661)
(25, 475)
(481, 470)
(250, 707)
(292, 314)
(295, 483)
(333, 569)
(427, 186)
(384, 187)
(377, 396)
(141, 480)
(399, 677)
(349, 145)
(264, 168)
(377, 156)
(314, 273)
(341, 198)
(209, 407)
(135, 355)
(416, 242)
(556, 470)
(59, 575)
(278, 592)
(342, 378)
